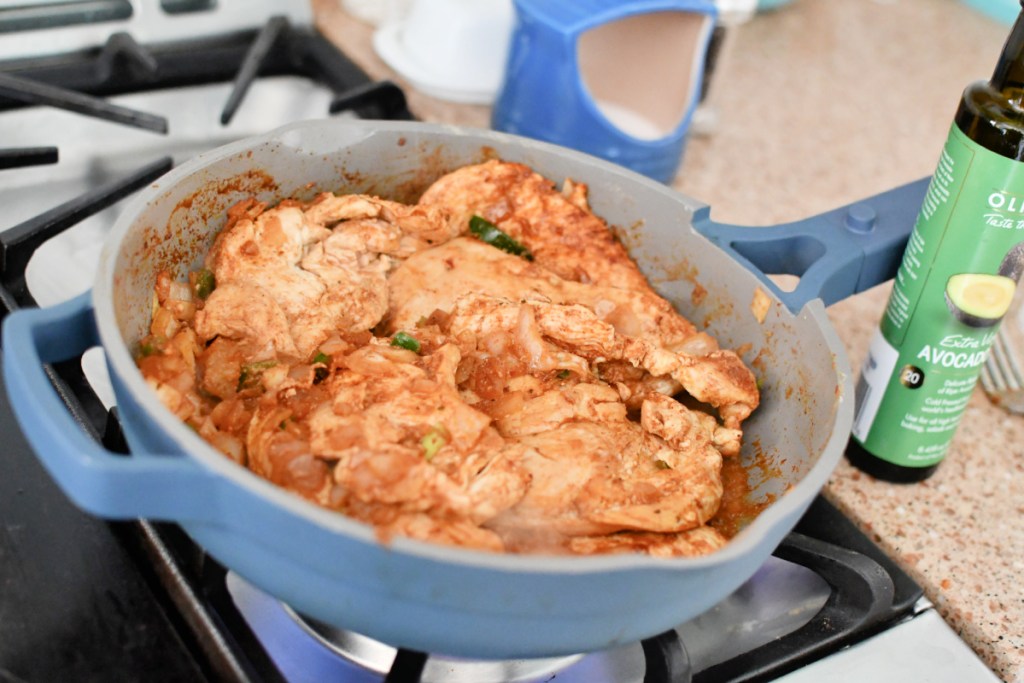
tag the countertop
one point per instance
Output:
(820, 103)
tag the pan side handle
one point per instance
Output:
(836, 254)
(99, 481)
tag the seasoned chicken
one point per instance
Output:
(719, 378)
(434, 278)
(376, 359)
(597, 477)
(311, 271)
(386, 427)
(375, 224)
(699, 541)
(593, 470)
(563, 235)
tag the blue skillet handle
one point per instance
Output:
(99, 481)
(836, 254)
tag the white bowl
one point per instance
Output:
(451, 49)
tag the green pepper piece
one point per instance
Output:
(251, 372)
(433, 441)
(406, 341)
(320, 374)
(205, 284)
(151, 345)
(496, 237)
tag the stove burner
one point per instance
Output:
(407, 665)
(811, 599)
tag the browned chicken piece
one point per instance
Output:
(434, 278)
(355, 296)
(266, 251)
(682, 428)
(242, 312)
(388, 428)
(635, 384)
(691, 543)
(565, 334)
(318, 283)
(590, 477)
(322, 280)
(720, 378)
(582, 402)
(593, 470)
(563, 236)
(427, 224)
(498, 326)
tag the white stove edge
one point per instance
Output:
(923, 649)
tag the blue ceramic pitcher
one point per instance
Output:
(612, 78)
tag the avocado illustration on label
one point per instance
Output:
(1013, 263)
(978, 299)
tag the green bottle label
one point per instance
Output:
(954, 285)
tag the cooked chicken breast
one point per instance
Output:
(598, 477)
(376, 359)
(718, 378)
(311, 271)
(699, 541)
(434, 278)
(593, 469)
(562, 233)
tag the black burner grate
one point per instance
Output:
(123, 66)
(27, 156)
(79, 82)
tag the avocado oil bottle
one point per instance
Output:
(954, 284)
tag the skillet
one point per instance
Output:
(418, 595)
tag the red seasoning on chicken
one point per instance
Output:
(486, 368)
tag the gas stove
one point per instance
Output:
(98, 99)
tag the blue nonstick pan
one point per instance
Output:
(419, 595)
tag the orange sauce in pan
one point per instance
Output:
(737, 509)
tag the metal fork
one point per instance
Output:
(1001, 377)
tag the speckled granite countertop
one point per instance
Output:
(820, 103)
